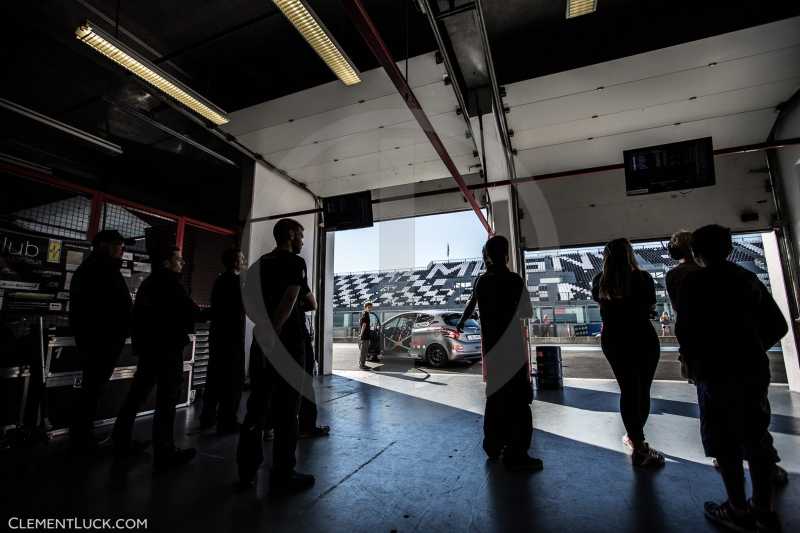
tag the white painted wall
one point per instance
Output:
(593, 208)
(339, 139)
(777, 281)
(788, 173)
(274, 195)
(426, 205)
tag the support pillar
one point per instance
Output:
(778, 285)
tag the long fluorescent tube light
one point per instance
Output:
(66, 128)
(166, 129)
(576, 8)
(6, 158)
(126, 57)
(311, 28)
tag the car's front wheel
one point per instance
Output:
(437, 356)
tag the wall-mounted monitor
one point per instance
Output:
(669, 167)
(347, 211)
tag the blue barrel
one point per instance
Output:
(549, 373)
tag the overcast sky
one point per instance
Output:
(407, 243)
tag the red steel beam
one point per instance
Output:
(94, 215)
(372, 37)
(180, 233)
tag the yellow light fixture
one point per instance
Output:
(126, 57)
(576, 8)
(311, 28)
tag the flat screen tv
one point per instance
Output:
(669, 167)
(347, 211)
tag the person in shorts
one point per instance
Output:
(732, 375)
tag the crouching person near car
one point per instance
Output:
(503, 301)
(729, 365)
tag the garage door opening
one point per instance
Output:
(418, 273)
(560, 280)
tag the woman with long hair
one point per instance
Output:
(627, 299)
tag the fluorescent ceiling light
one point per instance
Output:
(576, 8)
(121, 54)
(311, 28)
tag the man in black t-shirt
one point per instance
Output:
(276, 299)
(503, 301)
(732, 374)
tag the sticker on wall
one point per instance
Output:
(55, 306)
(74, 259)
(126, 272)
(141, 267)
(127, 256)
(67, 281)
(63, 295)
(18, 285)
(54, 251)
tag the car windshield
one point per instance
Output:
(452, 320)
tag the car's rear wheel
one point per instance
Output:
(437, 356)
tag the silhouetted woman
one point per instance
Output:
(627, 298)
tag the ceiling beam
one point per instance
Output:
(355, 10)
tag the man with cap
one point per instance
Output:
(99, 315)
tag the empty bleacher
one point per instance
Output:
(555, 277)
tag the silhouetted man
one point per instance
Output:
(277, 358)
(99, 315)
(680, 250)
(223, 390)
(363, 337)
(727, 320)
(163, 318)
(503, 301)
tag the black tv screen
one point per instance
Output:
(347, 211)
(670, 167)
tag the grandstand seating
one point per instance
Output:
(553, 277)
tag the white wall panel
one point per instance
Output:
(727, 103)
(389, 177)
(720, 48)
(594, 208)
(423, 70)
(727, 131)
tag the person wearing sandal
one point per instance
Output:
(732, 376)
(627, 298)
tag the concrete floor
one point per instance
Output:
(404, 455)
(579, 361)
